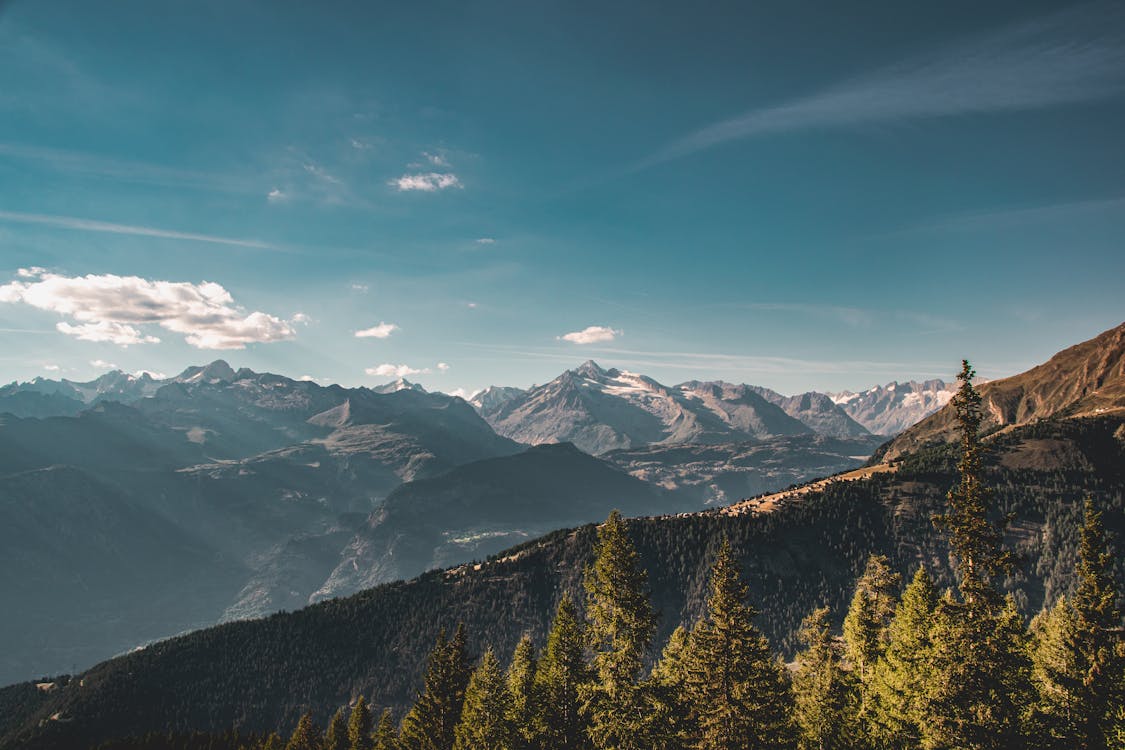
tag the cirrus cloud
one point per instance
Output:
(591, 335)
(114, 309)
(381, 331)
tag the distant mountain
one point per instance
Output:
(402, 384)
(56, 398)
(600, 410)
(1086, 380)
(889, 409)
(816, 410)
(493, 397)
(483, 507)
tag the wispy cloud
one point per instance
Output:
(591, 335)
(485, 241)
(125, 170)
(381, 331)
(1072, 56)
(427, 183)
(90, 225)
(113, 309)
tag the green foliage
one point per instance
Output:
(305, 736)
(526, 713)
(896, 696)
(336, 736)
(431, 723)
(359, 726)
(620, 626)
(386, 736)
(826, 695)
(486, 718)
(738, 692)
(561, 673)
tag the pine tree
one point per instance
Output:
(359, 726)
(898, 684)
(825, 694)
(669, 688)
(430, 724)
(486, 718)
(861, 634)
(979, 689)
(621, 624)
(305, 736)
(273, 742)
(738, 693)
(336, 738)
(523, 687)
(386, 737)
(561, 674)
(1079, 669)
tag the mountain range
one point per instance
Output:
(259, 493)
(1058, 437)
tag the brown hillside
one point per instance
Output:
(1084, 380)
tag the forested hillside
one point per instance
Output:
(264, 674)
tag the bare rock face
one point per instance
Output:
(1085, 380)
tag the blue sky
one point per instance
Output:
(798, 195)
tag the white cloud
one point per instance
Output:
(88, 225)
(51, 368)
(31, 273)
(277, 195)
(300, 319)
(381, 331)
(442, 367)
(471, 305)
(427, 183)
(485, 241)
(591, 335)
(101, 364)
(110, 308)
(395, 371)
(361, 288)
(152, 374)
(462, 393)
(359, 144)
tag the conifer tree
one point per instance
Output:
(523, 687)
(560, 675)
(386, 737)
(273, 742)
(486, 718)
(739, 694)
(336, 737)
(359, 726)
(669, 686)
(1079, 670)
(898, 685)
(430, 724)
(305, 736)
(621, 624)
(825, 694)
(979, 689)
(861, 634)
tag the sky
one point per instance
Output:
(799, 194)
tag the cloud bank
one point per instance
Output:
(110, 308)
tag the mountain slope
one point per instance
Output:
(816, 410)
(805, 554)
(483, 507)
(1087, 379)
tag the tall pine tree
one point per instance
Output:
(526, 705)
(486, 719)
(621, 625)
(431, 723)
(561, 674)
(359, 726)
(826, 695)
(336, 737)
(739, 694)
(386, 736)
